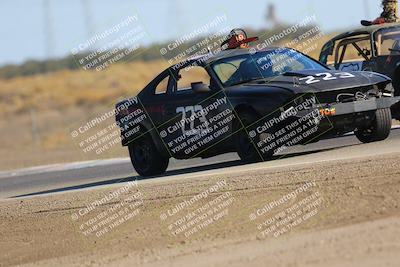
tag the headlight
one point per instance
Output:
(389, 88)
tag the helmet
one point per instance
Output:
(237, 38)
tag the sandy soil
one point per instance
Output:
(339, 213)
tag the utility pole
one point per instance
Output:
(271, 16)
(34, 130)
(87, 13)
(390, 10)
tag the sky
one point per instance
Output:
(40, 29)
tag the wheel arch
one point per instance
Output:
(146, 128)
(240, 109)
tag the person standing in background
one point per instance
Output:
(388, 15)
(390, 11)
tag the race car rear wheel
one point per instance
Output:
(244, 146)
(379, 129)
(145, 157)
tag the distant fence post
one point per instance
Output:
(35, 132)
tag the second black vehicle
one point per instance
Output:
(370, 48)
(255, 103)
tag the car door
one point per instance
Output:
(188, 133)
(155, 101)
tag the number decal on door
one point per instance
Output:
(193, 110)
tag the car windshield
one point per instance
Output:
(388, 41)
(262, 65)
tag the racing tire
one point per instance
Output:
(244, 146)
(379, 129)
(145, 158)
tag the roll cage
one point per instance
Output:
(344, 41)
(349, 38)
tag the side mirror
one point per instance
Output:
(200, 87)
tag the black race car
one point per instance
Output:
(371, 48)
(255, 103)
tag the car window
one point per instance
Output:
(357, 48)
(192, 74)
(327, 55)
(388, 42)
(285, 62)
(226, 69)
(161, 88)
(262, 65)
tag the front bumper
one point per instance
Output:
(339, 109)
(364, 105)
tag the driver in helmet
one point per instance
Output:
(237, 39)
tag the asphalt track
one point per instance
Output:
(85, 175)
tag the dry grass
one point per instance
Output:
(66, 89)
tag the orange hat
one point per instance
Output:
(237, 38)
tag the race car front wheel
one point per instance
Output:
(244, 146)
(379, 129)
(145, 157)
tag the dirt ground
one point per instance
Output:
(338, 213)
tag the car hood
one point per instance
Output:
(311, 81)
